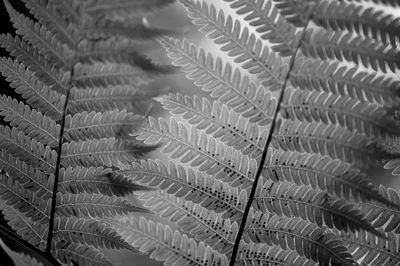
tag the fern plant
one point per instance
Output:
(80, 75)
(272, 168)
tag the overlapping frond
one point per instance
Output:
(320, 172)
(343, 46)
(135, 29)
(204, 224)
(29, 121)
(273, 27)
(84, 126)
(223, 82)
(25, 201)
(365, 118)
(220, 122)
(306, 238)
(239, 43)
(36, 93)
(123, 8)
(93, 205)
(46, 13)
(28, 176)
(200, 151)
(288, 199)
(386, 217)
(319, 75)
(20, 258)
(373, 250)
(295, 11)
(34, 233)
(78, 75)
(103, 152)
(73, 253)
(40, 38)
(109, 74)
(369, 22)
(100, 99)
(332, 140)
(28, 150)
(32, 59)
(118, 51)
(263, 254)
(96, 180)
(190, 185)
(165, 244)
(88, 232)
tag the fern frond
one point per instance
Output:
(97, 180)
(40, 38)
(393, 3)
(29, 121)
(28, 150)
(273, 27)
(102, 152)
(25, 201)
(36, 93)
(118, 51)
(329, 76)
(30, 231)
(373, 250)
(84, 126)
(28, 176)
(20, 259)
(387, 217)
(43, 69)
(239, 43)
(320, 172)
(88, 232)
(219, 121)
(93, 205)
(393, 165)
(101, 100)
(306, 238)
(367, 119)
(235, 91)
(164, 244)
(122, 8)
(136, 30)
(70, 10)
(288, 199)
(294, 11)
(47, 15)
(109, 74)
(200, 151)
(205, 225)
(262, 254)
(344, 46)
(77, 254)
(332, 140)
(190, 185)
(368, 22)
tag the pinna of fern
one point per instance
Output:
(272, 166)
(78, 69)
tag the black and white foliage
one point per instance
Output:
(79, 74)
(271, 169)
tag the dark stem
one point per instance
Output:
(269, 139)
(44, 258)
(59, 152)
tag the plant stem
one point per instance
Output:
(268, 142)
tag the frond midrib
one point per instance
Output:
(174, 139)
(178, 180)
